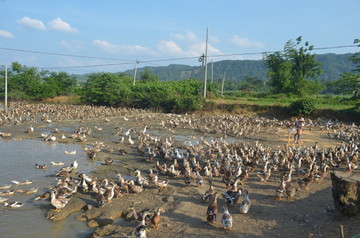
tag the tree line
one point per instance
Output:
(293, 71)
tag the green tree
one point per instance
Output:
(290, 71)
(146, 76)
(355, 58)
(30, 83)
(349, 83)
(106, 89)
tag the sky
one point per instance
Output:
(85, 36)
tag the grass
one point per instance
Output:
(331, 102)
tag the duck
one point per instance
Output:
(58, 202)
(246, 203)
(44, 196)
(139, 215)
(209, 194)
(151, 175)
(100, 199)
(50, 137)
(320, 175)
(140, 180)
(156, 218)
(13, 204)
(212, 210)
(199, 179)
(135, 188)
(74, 165)
(188, 176)
(2, 199)
(25, 182)
(140, 230)
(7, 192)
(30, 129)
(280, 190)
(57, 163)
(108, 161)
(160, 184)
(30, 191)
(245, 175)
(131, 142)
(290, 190)
(109, 194)
(40, 166)
(7, 186)
(226, 219)
(174, 172)
(307, 181)
(264, 175)
(71, 152)
(232, 196)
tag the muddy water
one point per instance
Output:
(18, 158)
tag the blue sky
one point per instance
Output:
(113, 34)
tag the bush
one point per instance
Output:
(302, 107)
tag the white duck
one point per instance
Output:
(246, 203)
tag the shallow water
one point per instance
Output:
(18, 160)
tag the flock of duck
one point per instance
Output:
(197, 160)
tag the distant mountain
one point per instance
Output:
(332, 65)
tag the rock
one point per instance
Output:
(109, 230)
(346, 194)
(93, 223)
(74, 205)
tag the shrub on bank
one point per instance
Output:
(302, 107)
(117, 90)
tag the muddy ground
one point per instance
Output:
(309, 214)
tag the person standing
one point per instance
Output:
(299, 124)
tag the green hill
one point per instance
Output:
(332, 65)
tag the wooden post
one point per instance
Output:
(341, 231)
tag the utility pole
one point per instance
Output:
(222, 85)
(6, 106)
(136, 63)
(205, 74)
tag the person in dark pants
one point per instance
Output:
(298, 126)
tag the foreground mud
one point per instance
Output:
(308, 212)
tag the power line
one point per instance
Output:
(59, 54)
(260, 53)
(84, 66)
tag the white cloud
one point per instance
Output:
(123, 49)
(60, 25)
(169, 47)
(73, 45)
(56, 24)
(106, 46)
(32, 23)
(6, 34)
(133, 49)
(244, 42)
(189, 37)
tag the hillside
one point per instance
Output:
(332, 65)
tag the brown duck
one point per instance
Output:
(156, 218)
(212, 210)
